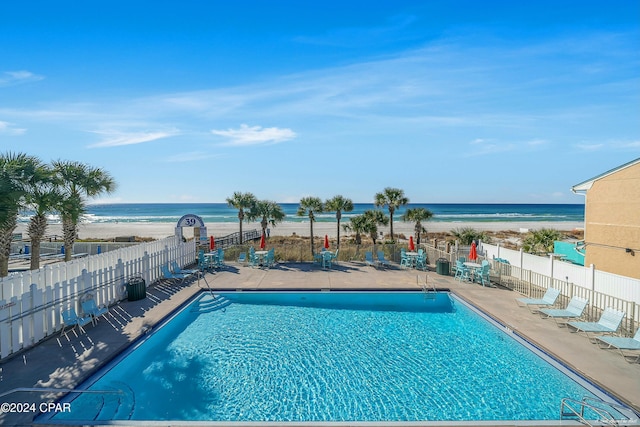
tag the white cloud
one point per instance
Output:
(254, 135)
(117, 138)
(8, 129)
(10, 78)
(190, 157)
(590, 147)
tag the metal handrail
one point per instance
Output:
(605, 416)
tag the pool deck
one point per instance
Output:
(64, 362)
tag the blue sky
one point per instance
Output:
(452, 101)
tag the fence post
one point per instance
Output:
(592, 276)
(521, 262)
(146, 267)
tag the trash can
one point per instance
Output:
(136, 288)
(442, 266)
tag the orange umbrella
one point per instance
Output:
(412, 247)
(262, 242)
(326, 241)
(212, 243)
(473, 254)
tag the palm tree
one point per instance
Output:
(43, 197)
(417, 215)
(338, 204)
(309, 206)
(268, 212)
(241, 201)
(357, 224)
(373, 218)
(467, 235)
(17, 174)
(393, 198)
(78, 181)
(541, 241)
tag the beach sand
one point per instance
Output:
(108, 231)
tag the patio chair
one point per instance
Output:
(421, 261)
(219, 262)
(172, 277)
(481, 275)
(574, 310)
(327, 258)
(90, 308)
(203, 263)
(254, 260)
(382, 260)
(622, 343)
(71, 319)
(270, 259)
(405, 261)
(242, 258)
(368, 258)
(335, 256)
(548, 299)
(176, 269)
(608, 323)
(462, 271)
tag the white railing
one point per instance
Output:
(587, 277)
(31, 302)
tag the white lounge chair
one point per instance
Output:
(548, 299)
(608, 323)
(622, 343)
(573, 311)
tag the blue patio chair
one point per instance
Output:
(405, 261)
(91, 309)
(574, 310)
(548, 299)
(368, 258)
(608, 323)
(622, 343)
(203, 263)
(462, 271)
(71, 320)
(327, 258)
(254, 260)
(219, 262)
(421, 261)
(242, 258)
(270, 259)
(382, 260)
(335, 255)
(481, 275)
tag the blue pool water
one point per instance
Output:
(329, 356)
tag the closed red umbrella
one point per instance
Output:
(412, 247)
(212, 243)
(473, 254)
(326, 241)
(262, 242)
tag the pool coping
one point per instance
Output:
(72, 367)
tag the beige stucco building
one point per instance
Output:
(612, 220)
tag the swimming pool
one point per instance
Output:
(329, 356)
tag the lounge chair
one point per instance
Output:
(90, 308)
(548, 299)
(622, 343)
(382, 260)
(176, 269)
(172, 277)
(608, 323)
(71, 319)
(327, 258)
(574, 310)
(368, 258)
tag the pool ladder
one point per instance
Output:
(575, 409)
(429, 292)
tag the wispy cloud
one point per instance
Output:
(7, 128)
(11, 78)
(118, 138)
(254, 135)
(589, 147)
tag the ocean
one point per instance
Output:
(221, 212)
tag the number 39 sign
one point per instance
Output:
(191, 220)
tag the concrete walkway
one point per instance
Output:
(62, 362)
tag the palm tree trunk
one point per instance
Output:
(240, 218)
(69, 231)
(311, 225)
(338, 217)
(6, 235)
(36, 230)
(391, 218)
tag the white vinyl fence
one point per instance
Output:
(31, 302)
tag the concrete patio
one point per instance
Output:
(61, 362)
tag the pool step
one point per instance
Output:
(117, 406)
(209, 303)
